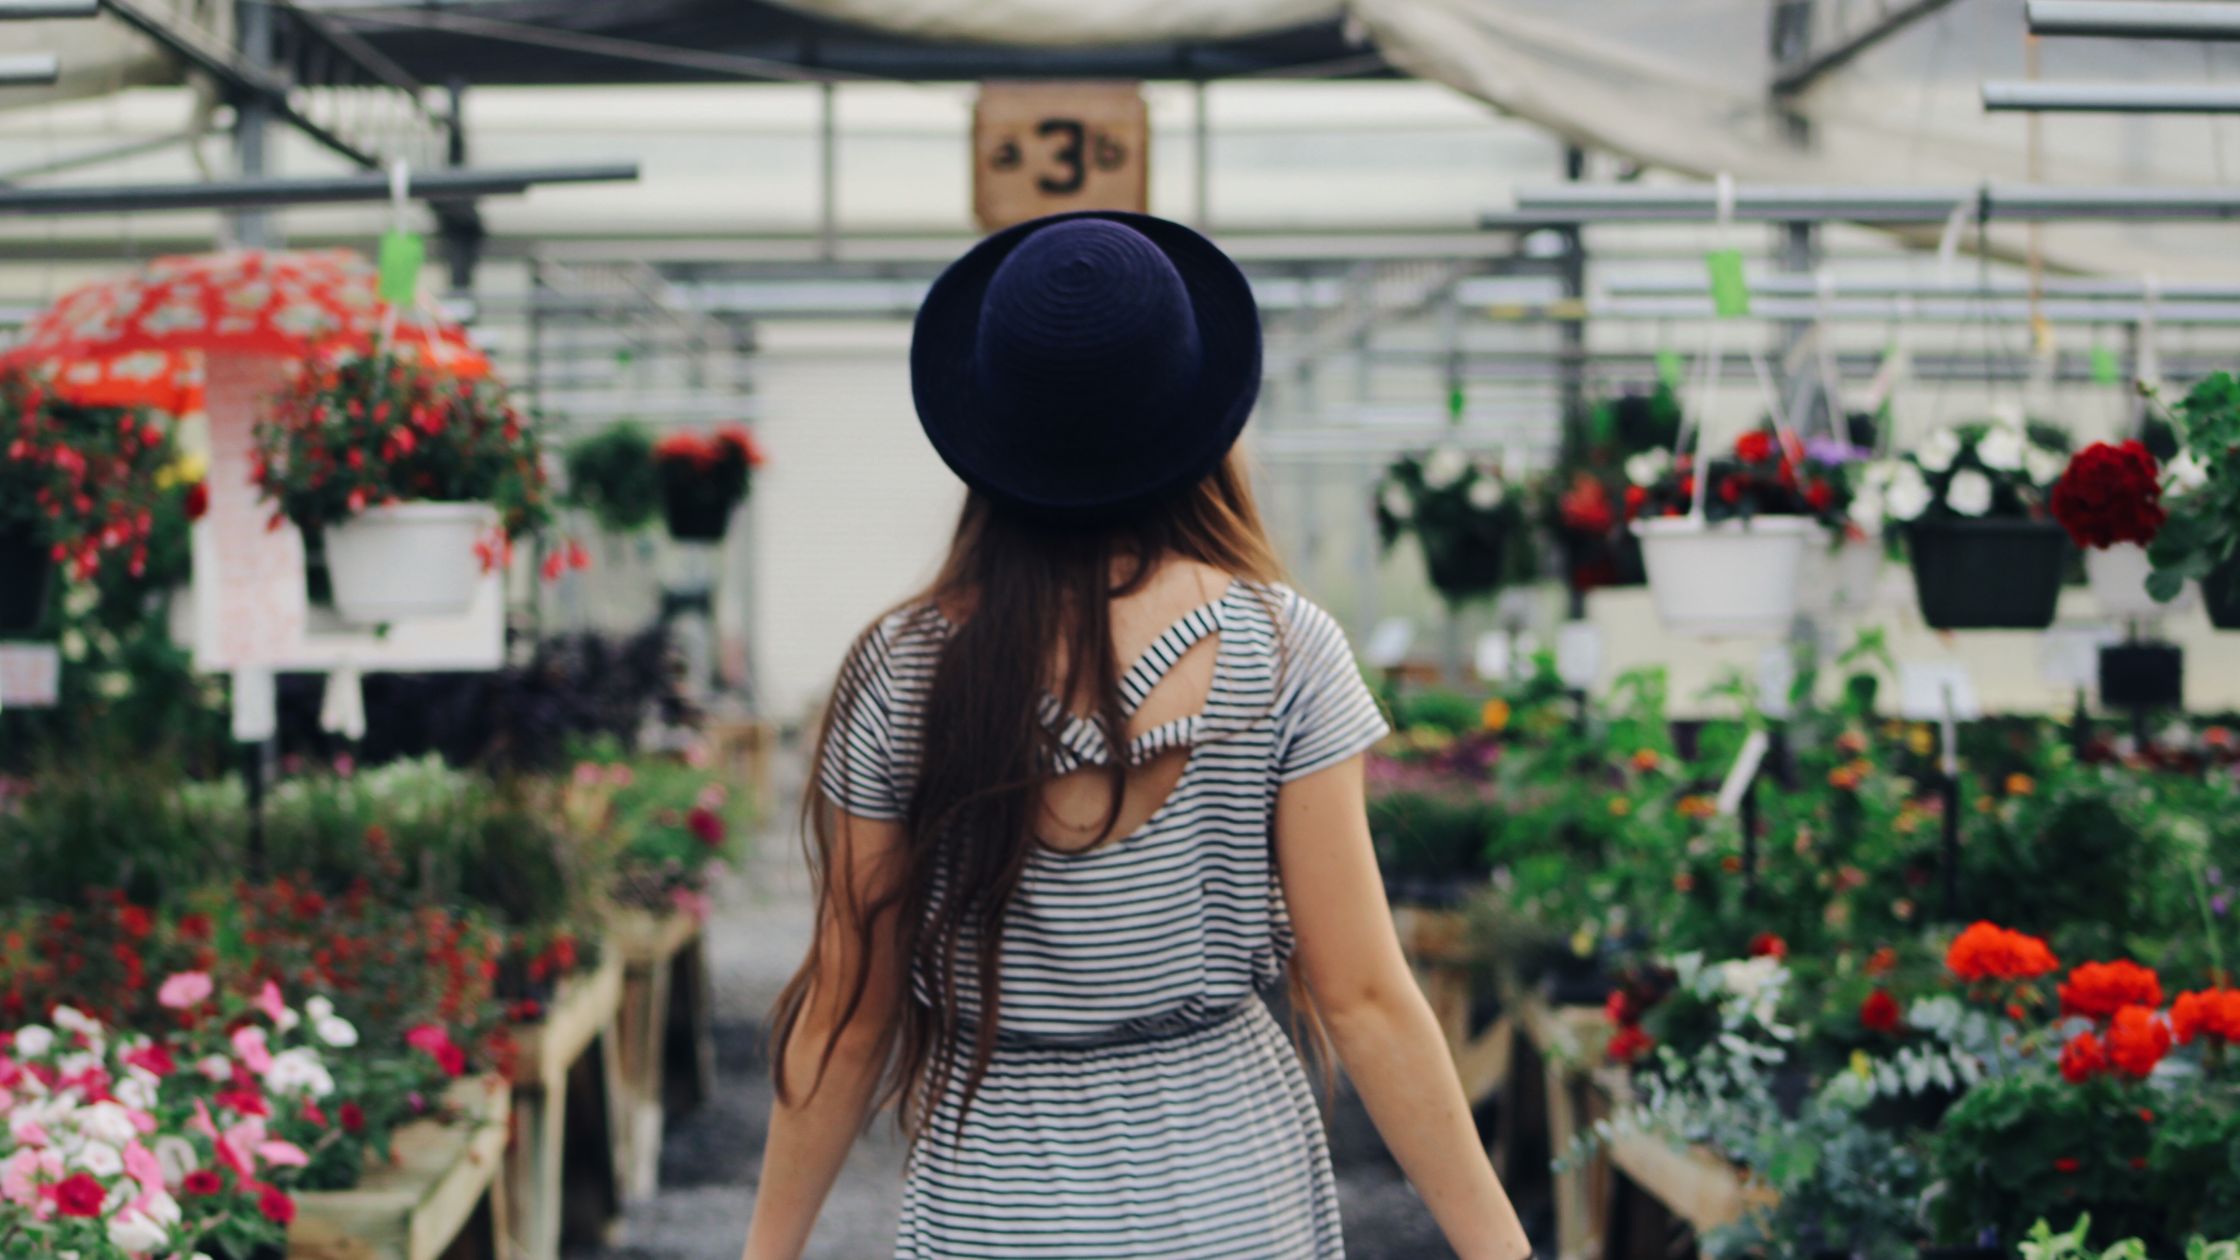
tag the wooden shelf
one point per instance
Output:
(440, 1196)
(666, 1035)
(564, 1165)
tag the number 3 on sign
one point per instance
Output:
(1045, 148)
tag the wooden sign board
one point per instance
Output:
(1045, 148)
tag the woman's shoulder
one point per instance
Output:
(1291, 612)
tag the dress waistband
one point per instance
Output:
(1168, 1026)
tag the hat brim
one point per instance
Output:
(1177, 449)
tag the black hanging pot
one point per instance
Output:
(1465, 565)
(2220, 592)
(696, 518)
(2142, 676)
(1987, 574)
(26, 582)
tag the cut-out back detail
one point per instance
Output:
(1082, 745)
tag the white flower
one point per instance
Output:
(2044, 465)
(335, 1031)
(215, 1066)
(1938, 450)
(1395, 501)
(299, 1071)
(1908, 496)
(1867, 510)
(2184, 474)
(73, 646)
(2001, 449)
(132, 1232)
(107, 1122)
(1969, 494)
(177, 1156)
(1485, 494)
(1649, 467)
(100, 1159)
(1444, 468)
(318, 1007)
(161, 1208)
(137, 1090)
(1747, 979)
(33, 1041)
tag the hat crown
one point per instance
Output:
(1087, 323)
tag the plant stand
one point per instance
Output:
(666, 1037)
(564, 1168)
(1568, 1042)
(1691, 1184)
(441, 1199)
(1437, 946)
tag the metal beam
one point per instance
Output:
(2079, 288)
(2134, 19)
(1777, 203)
(1799, 75)
(29, 69)
(2112, 98)
(47, 10)
(433, 186)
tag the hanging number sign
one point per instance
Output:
(1044, 148)
(1730, 293)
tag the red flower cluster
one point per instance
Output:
(2083, 1058)
(2110, 494)
(81, 479)
(1585, 507)
(1880, 1014)
(2099, 990)
(1768, 945)
(2212, 1011)
(2137, 1040)
(1987, 951)
(1628, 1044)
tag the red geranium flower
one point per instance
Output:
(275, 1204)
(2083, 1058)
(2100, 989)
(2137, 1040)
(203, 1181)
(1767, 945)
(1987, 951)
(1754, 447)
(353, 1117)
(2066, 1164)
(1879, 1013)
(2212, 1011)
(705, 825)
(1627, 1044)
(1585, 507)
(79, 1195)
(2110, 494)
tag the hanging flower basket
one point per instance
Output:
(1993, 574)
(1462, 514)
(26, 581)
(1737, 577)
(1466, 566)
(408, 560)
(703, 479)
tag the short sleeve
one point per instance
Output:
(1328, 714)
(858, 771)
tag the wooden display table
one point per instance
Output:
(1438, 947)
(666, 1035)
(1568, 1043)
(563, 1168)
(743, 748)
(1691, 1184)
(440, 1199)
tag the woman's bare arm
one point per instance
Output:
(1382, 1028)
(810, 1137)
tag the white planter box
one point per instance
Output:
(407, 561)
(1727, 579)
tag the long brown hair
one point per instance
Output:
(1026, 592)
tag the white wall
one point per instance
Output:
(852, 513)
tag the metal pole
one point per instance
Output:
(2134, 19)
(252, 226)
(828, 172)
(2112, 98)
(1201, 154)
(29, 69)
(1695, 203)
(1571, 350)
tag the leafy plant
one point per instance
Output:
(2203, 528)
(2000, 469)
(611, 475)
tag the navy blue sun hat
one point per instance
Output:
(1083, 365)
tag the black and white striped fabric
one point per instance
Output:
(1142, 1101)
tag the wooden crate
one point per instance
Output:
(666, 1038)
(440, 1199)
(564, 1166)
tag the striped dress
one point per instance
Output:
(1142, 1101)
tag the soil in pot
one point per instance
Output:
(2221, 592)
(26, 583)
(1988, 575)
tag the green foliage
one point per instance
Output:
(611, 475)
(2203, 528)
(1447, 711)
(1432, 835)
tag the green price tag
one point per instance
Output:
(1670, 369)
(1455, 403)
(2106, 368)
(1730, 293)
(401, 256)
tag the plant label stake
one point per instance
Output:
(1942, 692)
(1949, 764)
(1738, 798)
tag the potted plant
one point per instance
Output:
(1461, 512)
(77, 488)
(704, 478)
(611, 475)
(2110, 501)
(2200, 540)
(416, 481)
(1727, 558)
(1971, 502)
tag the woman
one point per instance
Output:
(1090, 796)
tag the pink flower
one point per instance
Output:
(248, 1043)
(282, 1155)
(427, 1038)
(268, 1001)
(185, 990)
(142, 1166)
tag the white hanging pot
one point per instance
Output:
(2118, 577)
(1841, 580)
(1732, 578)
(406, 561)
